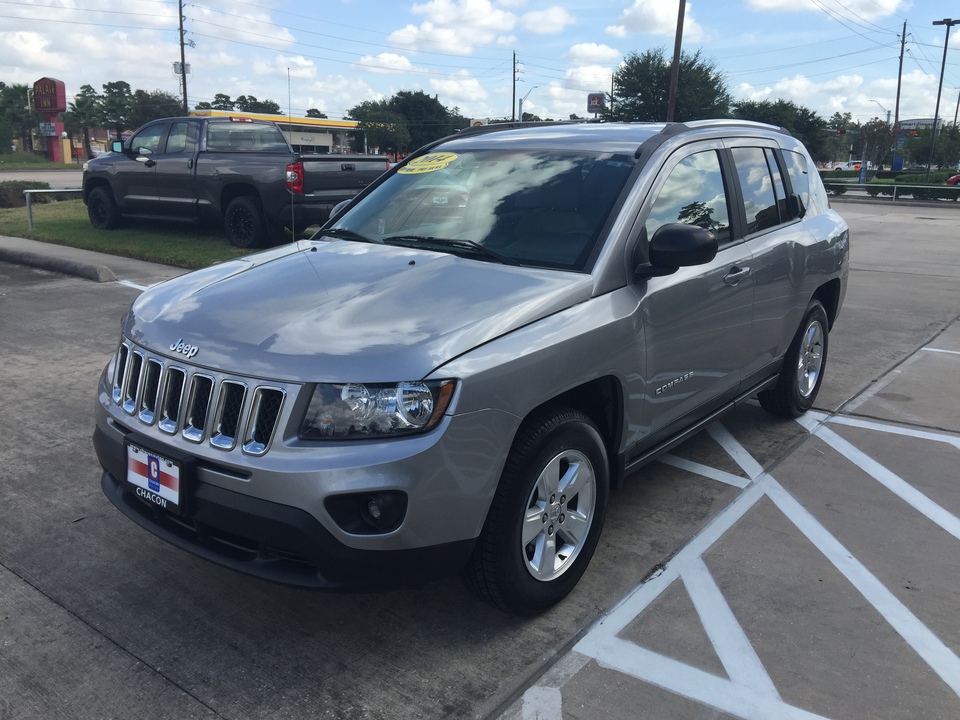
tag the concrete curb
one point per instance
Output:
(88, 271)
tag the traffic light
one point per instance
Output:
(840, 131)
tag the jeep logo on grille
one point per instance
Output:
(181, 347)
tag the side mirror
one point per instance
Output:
(117, 146)
(339, 208)
(677, 245)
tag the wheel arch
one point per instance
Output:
(236, 190)
(92, 184)
(829, 296)
(601, 400)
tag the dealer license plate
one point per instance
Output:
(155, 478)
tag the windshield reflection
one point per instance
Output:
(542, 209)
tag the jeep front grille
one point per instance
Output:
(226, 412)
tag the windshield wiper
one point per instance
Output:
(345, 234)
(439, 243)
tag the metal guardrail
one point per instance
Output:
(879, 191)
(28, 194)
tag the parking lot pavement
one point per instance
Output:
(828, 588)
(768, 569)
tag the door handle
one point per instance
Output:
(735, 275)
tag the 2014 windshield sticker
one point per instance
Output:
(428, 163)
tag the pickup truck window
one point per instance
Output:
(245, 138)
(177, 137)
(147, 140)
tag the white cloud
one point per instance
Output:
(849, 10)
(591, 53)
(656, 17)
(455, 26)
(547, 22)
(463, 88)
(384, 63)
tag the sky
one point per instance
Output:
(479, 55)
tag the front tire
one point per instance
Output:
(546, 516)
(244, 222)
(803, 366)
(102, 209)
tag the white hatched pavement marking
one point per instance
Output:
(704, 470)
(747, 693)
(894, 483)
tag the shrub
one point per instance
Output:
(11, 192)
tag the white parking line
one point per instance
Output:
(749, 692)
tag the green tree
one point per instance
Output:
(641, 89)
(222, 102)
(85, 114)
(877, 139)
(382, 127)
(314, 113)
(426, 118)
(249, 103)
(147, 106)
(18, 114)
(946, 148)
(803, 123)
(116, 104)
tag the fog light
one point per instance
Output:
(368, 513)
(384, 511)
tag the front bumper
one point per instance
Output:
(272, 541)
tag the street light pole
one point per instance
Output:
(949, 22)
(524, 98)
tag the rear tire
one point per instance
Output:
(244, 222)
(546, 516)
(102, 209)
(803, 366)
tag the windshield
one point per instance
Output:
(541, 209)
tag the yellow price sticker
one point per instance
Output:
(428, 163)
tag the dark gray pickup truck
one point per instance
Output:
(234, 170)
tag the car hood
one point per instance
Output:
(341, 311)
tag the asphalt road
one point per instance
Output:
(56, 179)
(100, 619)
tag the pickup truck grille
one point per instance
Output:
(226, 412)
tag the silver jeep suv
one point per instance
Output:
(455, 371)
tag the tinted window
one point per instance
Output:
(245, 137)
(177, 138)
(147, 140)
(807, 186)
(693, 194)
(756, 184)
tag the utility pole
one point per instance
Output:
(675, 68)
(949, 22)
(896, 107)
(183, 62)
(513, 102)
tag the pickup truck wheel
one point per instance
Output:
(803, 366)
(244, 222)
(545, 518)
(102, 209)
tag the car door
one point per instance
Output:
(776, 239)
(696, 321)
(176, 194)
(135, 182)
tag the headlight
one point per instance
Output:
(375, 410)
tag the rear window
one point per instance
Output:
(243, 137)
(542, 209)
